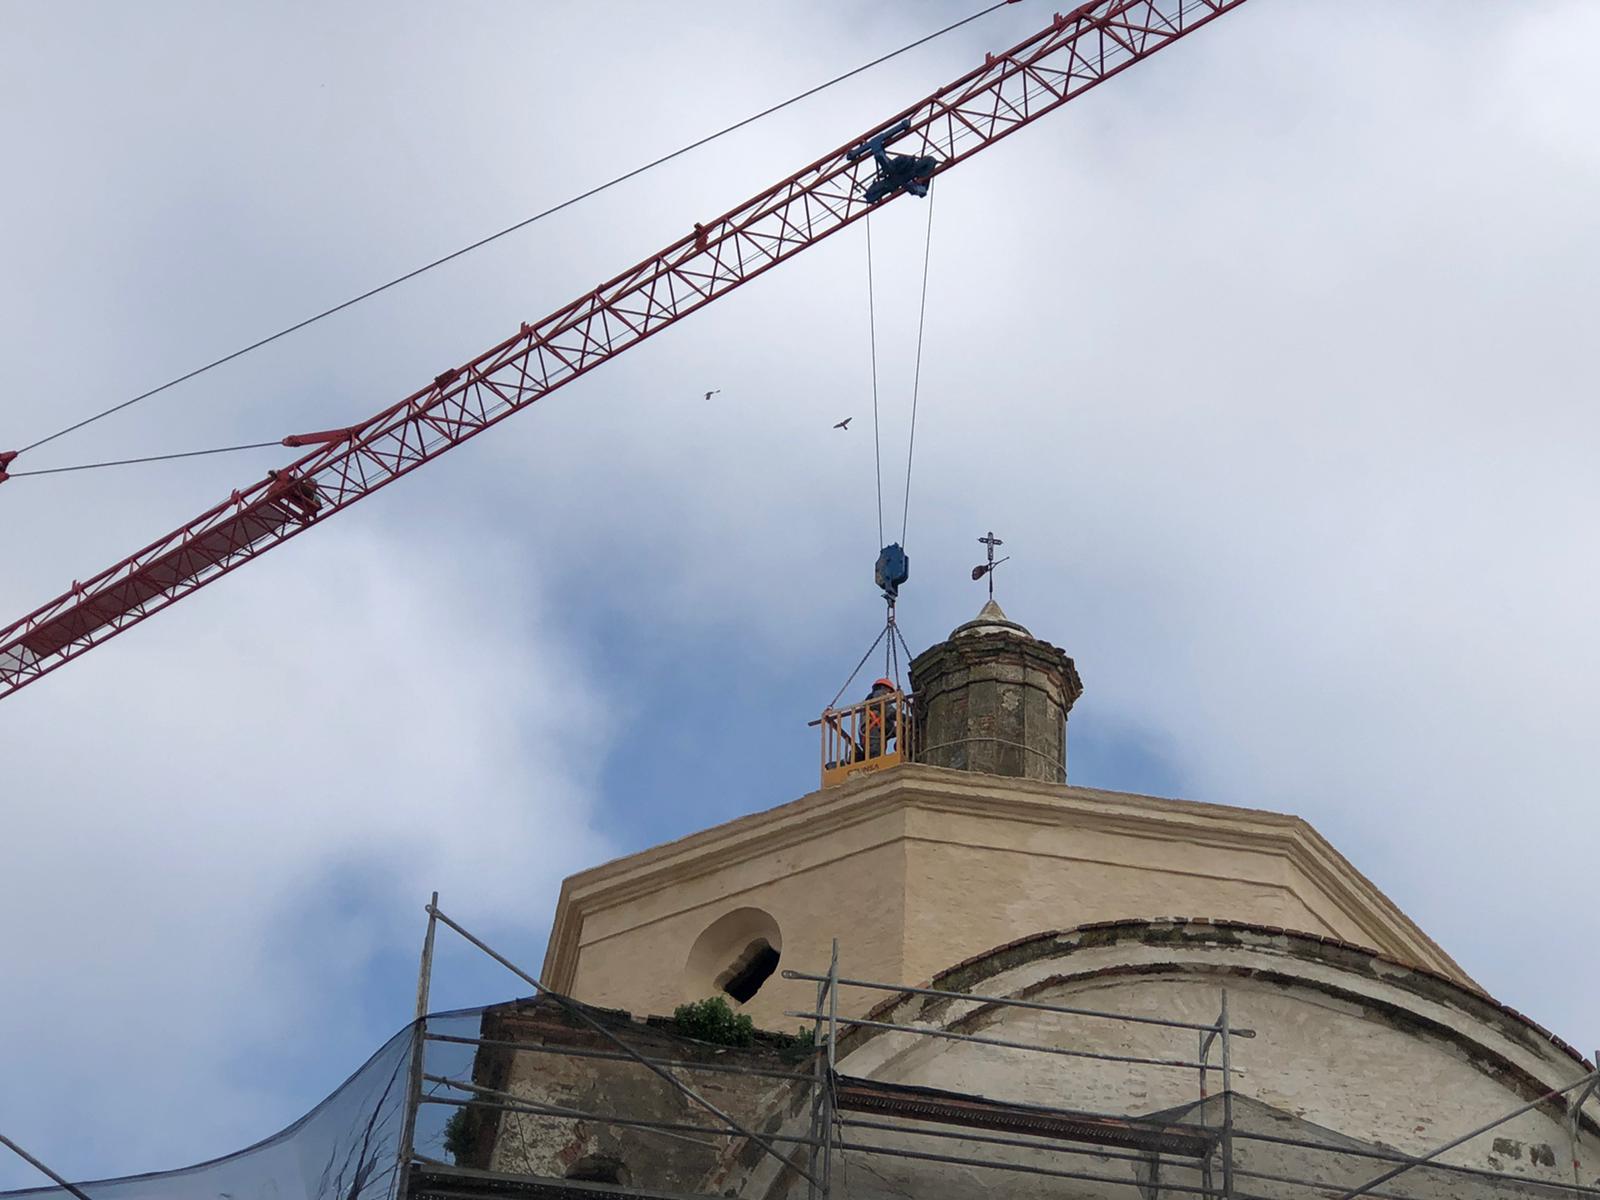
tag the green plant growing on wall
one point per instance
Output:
(711, 1020)
(457, 1137)
(803, 1038)
(795, 1046)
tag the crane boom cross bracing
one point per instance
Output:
(1072, 54)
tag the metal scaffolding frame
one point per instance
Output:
(415, 1097)
(815, 1120)
(842, 1108)
(826, 1126)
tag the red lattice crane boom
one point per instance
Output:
(1072, 54)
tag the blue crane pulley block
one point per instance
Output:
(893, 569)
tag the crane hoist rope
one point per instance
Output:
(893, 567)
(916, 370)
(1074, 53)
(872, 342)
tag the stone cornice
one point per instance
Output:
(1201, 932)
(1022, 968)
(958, 792)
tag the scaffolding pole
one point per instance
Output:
(826, 1064)
(33, 1162)
(1006, 1044)
(1033, 1142)
(681, 1064)
(1480, 1173)
(1421, 1159)
(1227, 1099)
(1574, 1115)
(1012, 1002)
(819, 1088)
(482, 1097)
(1021, 1168)
(413, 1101)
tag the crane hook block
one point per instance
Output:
(893, 569)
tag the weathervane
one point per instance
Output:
(987, 567)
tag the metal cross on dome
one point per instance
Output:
(989, 541)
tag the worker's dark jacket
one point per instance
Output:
(879, 731)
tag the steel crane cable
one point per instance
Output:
(509, 229)
(872, 339)
(915, 389)
(910, 450)
(1031, 92)
(882, 633)
(148, 458)
(916, 374)
(905, 648)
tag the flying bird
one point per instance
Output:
(716, 392)
(844, 424)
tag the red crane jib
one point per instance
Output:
(288, 501)
(1074, 53)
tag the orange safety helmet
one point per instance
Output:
(883, 683)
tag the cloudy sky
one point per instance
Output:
(1271, 361)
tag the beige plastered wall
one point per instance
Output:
(917, 868)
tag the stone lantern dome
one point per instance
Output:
(994, 699)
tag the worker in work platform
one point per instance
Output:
(883, 717)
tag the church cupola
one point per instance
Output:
(994, 699)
